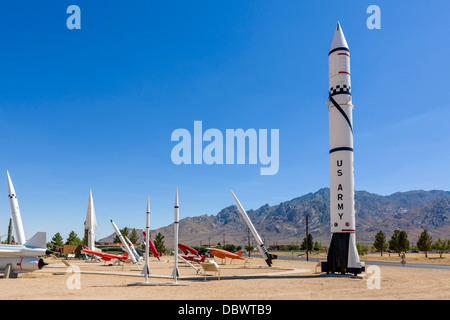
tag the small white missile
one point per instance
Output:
(91, 222)
(261, 247)
(146, 270)
(124, 242)
(15, 211)
(132, 248)
(176, 273)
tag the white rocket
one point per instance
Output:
(25, 255)
(15, 211)
(176, 273)
(262, 249)
(91, 222)
(124, 242)
(343, 256)
(146, 269)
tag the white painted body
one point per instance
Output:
(24, 258)
(342, 194)
(250, 225)
(91, 223)
(15, 211)
(342, 203)
(146, 269)
(124, 242)
(176, 273)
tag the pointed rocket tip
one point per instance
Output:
(10, 184)
(339, 40)
(148, 204)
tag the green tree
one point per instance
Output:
(229, 247)
(425, 243)
(440, 246)
(125, 232)
(73, 239)
(403, 243)
(393, 243)
(307, 240)
(159, 243)
(399, 241)
(380, 242)
(57, 241)
(134, 237)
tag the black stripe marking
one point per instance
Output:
(337, 49)
(341, 149)
(342, 112)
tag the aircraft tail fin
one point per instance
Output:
(125, 255)
(38, 240)
(239, 253)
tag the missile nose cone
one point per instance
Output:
(10, 185)
(148, 205)
(176, 197)
(338, 39)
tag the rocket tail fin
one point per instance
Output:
(175, 273)
(38, 240)
(146, 269)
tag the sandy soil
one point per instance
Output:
(289, 280)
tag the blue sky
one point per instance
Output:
(95, 108)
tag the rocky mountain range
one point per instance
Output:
(285, 223)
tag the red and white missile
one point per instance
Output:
(15, 211)
(343, 256)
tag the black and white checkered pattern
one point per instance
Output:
(344, 89)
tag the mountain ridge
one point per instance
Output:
(285, 223)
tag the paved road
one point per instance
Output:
(374, 262)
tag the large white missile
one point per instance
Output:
(124, 242)
(146, 269)
(15, 211)
(343, 256)
(91, 222)
(176, 273)
(261, 247)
